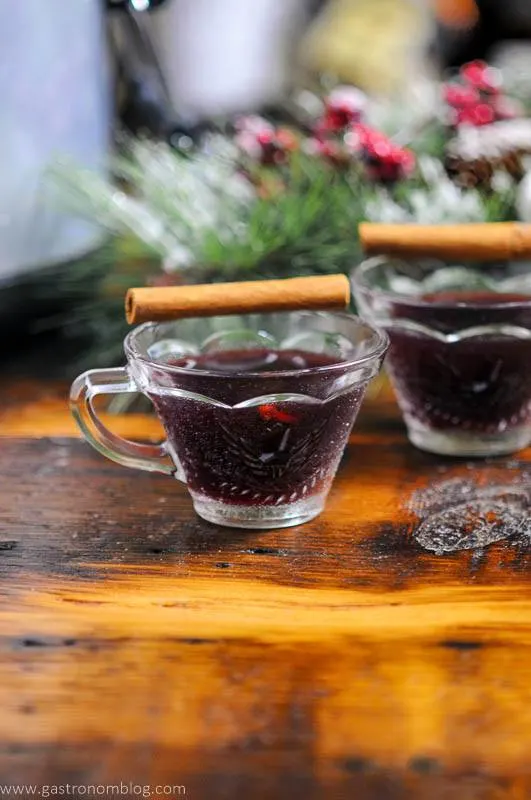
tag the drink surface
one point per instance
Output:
(475, 298)
(261, 360)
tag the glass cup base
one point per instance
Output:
(259, 517)
(463, 443)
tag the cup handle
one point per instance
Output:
(149, 457)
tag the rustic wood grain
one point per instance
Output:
(335, 660)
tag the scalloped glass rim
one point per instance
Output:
(360, 283)
(252, 402)
(381, 343)
(461, 335)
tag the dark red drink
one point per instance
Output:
(478, 378)
(272, 450)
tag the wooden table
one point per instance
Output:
(335, 660)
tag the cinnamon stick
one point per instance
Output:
(496, 241)
(292, 294)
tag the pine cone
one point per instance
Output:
(475, 155)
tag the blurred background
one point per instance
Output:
(192, 140)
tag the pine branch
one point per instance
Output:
(199, 218)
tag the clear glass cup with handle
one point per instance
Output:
(257, 409)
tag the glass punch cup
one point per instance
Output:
(257, 409)
(460, 353)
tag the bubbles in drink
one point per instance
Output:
(401, 284)
(167, 350)
(242, 339)
(331, 344)
(457, 279)
(238, 361)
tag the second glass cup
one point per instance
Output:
(257, 409)
(460, 354)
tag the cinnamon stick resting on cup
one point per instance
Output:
(496, 241)
(326, 292)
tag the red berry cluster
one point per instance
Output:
(343, 108)
(385, 161)
(476, 98)
(341, 136)
(268, 145)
